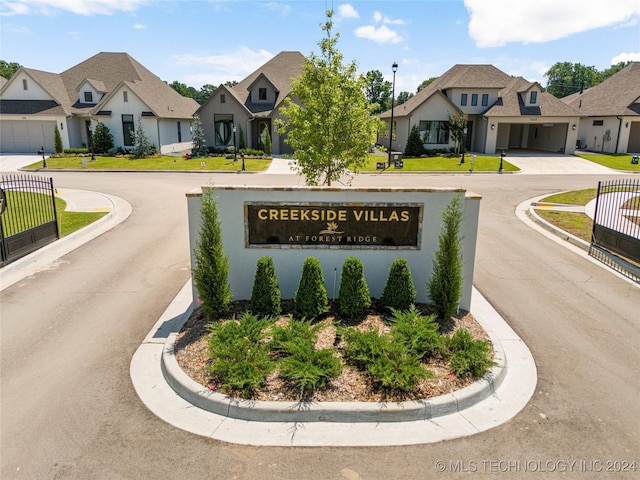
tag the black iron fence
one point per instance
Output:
(28, 219)
(616, 226)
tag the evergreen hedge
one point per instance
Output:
(353, 298)
(399, 292)
(311, 298)
(265, 296)
(211, 270)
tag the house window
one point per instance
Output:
(485, 99)
(384, 132)
(598, 123)
(125, 96)
(24, 84)
(474, 99)
(262, 94)
(223, 98)
(434, 132)
(533, 97)
(127, 129)
(463, 99)
(179, 132)
(223, 127)
(88, 97)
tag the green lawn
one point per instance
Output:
(159, 163)
(68, 222)
(617, 161)
(575, 197)
(482, 163)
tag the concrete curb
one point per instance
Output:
(28, 265)
(351, 412)
(502, 397)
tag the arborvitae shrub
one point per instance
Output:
(311, 298)
(353, 298)
(445, 286)
(399, 292)
(414, 147)
(57, 140)
(265, 296)
(102, 139)
(211, 270)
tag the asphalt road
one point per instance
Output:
(69, 411)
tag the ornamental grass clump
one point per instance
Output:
(240, 358)
(353, 297)
(399, 292)
(311, 298)
(265, 295)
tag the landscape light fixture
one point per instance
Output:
(394, 68)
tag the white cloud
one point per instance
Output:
(281, 8)
(140, 26)
(79, 7)
(626, 57)
(378, 17)
(495, 23)
(217, 69)
(346, 10)
(380, 34)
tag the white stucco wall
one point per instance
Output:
(288, 260)
(15, 89)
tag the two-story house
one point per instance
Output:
(112, 88)
(503, 112)
(252, 106)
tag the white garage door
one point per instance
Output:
(26, 137)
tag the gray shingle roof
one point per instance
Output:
(106, 71)
(617, 95)
(510, 102)
(279, 71)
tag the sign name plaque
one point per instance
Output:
(344, 225)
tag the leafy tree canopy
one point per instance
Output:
(330, 123)
(7, 69)
(426, 83)
(566, 78)
(378, 90)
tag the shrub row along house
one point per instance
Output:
(111, 88)
(506, 112)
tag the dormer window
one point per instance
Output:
(262, 93)
(533, 97)
(88, 97)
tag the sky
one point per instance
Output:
(215, 41)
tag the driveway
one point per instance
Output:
(11, 163)
(540, 163)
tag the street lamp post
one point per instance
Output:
(93, 156)
(464, 144)
(235, 147)
(394, 68)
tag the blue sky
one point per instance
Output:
(214, 41)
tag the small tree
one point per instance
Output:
(311, 298)
(327, 118)
(199, 148)
(102, 139)
(353, 299)
(445, 286)
(142, 147)
(265, 296)
(241, 142)
(267, 144)
(57, 140)
(399, 292)
(414, 147)
(211, 270)
(457, 126)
